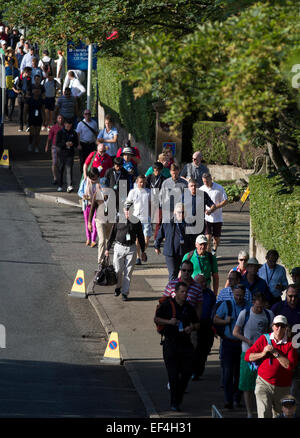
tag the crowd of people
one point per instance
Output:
(256, 311)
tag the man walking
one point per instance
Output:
(274, 275)
(230, 350)
(66, 142)
(195, 169)
(278, 359)
(125, 251)
(214, 219)
(179, 319)
(250, 325)
(204, 263)
(87, 131)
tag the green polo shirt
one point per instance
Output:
(205, 265)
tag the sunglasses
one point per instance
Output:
(186, 270)
(242, 260)
(293, 296)
(280, 325)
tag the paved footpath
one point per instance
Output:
(133, 320)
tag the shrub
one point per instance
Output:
(116, 96)
(212, 138)
(275, 217)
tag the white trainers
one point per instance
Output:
(30, 148)
(59, 189)
(70, 189)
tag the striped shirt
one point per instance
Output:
(194, 292)
(227, 294)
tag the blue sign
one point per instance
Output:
(77, 56)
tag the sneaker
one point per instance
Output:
(20, 130)
(59, 189)
(124, 297)
(36, 150)
(138, 262)
(70, 189)
(30, 148)
(27, 129)
(117, 291)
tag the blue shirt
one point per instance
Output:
(222, 313)
(209, 300)
(259, 285)
(273, 277)
(227, 294)
(111, 148)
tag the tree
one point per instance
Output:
(93, 20)
(241, 67)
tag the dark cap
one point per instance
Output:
(118, 161)
(158, 165)
(295, 271)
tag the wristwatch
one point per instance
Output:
(276, 354)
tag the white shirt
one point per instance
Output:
(217, 194)
(86, 135)
(141, 203)
(77, 89)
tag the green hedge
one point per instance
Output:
(275, 218)
(116, 96)
(212, 138)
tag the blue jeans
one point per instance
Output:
(230, 353)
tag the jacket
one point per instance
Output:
(172, 246)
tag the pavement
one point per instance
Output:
(141, 352)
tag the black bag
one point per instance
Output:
(106, 275)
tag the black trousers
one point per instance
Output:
(21, 103)
(178, 357)
(65, 162)
(87, 148)
(205, 340)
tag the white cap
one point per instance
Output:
(280, 319)
(201, 239)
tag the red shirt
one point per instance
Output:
(104, 161)
(271, 371)
(136, 151)
(53, 132)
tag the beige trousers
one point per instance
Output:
(103, 230)
(268, 398)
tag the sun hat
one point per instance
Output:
(280, 319)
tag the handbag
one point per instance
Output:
(106, 275)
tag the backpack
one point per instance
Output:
(220, 329)
(160, 328)
(255, 365)
(47, 67)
